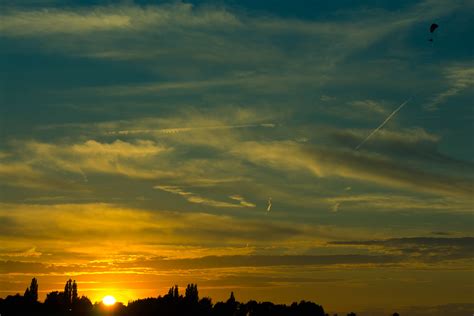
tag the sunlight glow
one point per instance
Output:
(109, 300)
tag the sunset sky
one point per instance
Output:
(140, 143)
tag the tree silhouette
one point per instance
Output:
(68, 303)
(74, 292)
(68, 292)
(176, 292)
(31, 293)
(173, 293)
(205, 305)
(231, 299)
(55, 303)
(170, 292)
(191, 294)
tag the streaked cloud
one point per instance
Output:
(187, 129)
(91, 227)
(118, 157)
(195, 198)
(392, 202)
(422, 248)
(56, 21)
(459, 78)
(325, 162)
(242, 200)
(370, 106)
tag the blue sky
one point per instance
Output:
(137, 132)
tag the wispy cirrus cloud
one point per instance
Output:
(187, 129)
(242, 201)
(392, 202)
(113, 24)
(324, 162)
(195, 198)
(422, 248)
(91, 227)
(391, 251)
(57, 21)
(118, 157)
(369, 106)
(47, 22)
(459, 79)
(208, 262)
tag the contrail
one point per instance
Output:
(384, 122)
(187, 129)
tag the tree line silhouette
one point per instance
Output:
(69, 303)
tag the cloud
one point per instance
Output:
(389, 251)
(179, 87)
(226, 119)
(17, 173)
(11, 169)
(324, 162)
(269, 260)
(137, 149)
(414, 144)
(24, 253)
(187, 129)
(459, 79)
(81, 21)
(370, 106)
(207, 262)
(31, 23)
(21, 267)
(118, 157)
(151, 34)
(403, 159)
(401, 137)
(428, 249)
(242, 201)
(393, 202)
(90, 228)
(195, 198)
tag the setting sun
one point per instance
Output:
(109, 300)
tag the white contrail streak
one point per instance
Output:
(384, 122)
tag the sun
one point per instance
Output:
(109, 300)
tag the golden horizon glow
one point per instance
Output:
(109, 300)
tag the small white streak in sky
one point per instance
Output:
(269, 207)
(384, 122)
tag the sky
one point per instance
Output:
(141, 142)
